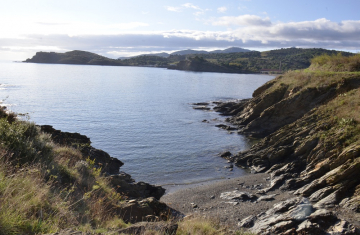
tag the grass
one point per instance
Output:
(338, 120)
(326, 71)
(336, 63)
(344, 120)
(45, 187)
(205, 226)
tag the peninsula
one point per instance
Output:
(226, 61)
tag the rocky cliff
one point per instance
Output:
(309, 125)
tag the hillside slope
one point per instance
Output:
(52, 180)
(309, 122)
(198, 64)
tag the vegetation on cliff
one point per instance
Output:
(47, 186)
(53, 181)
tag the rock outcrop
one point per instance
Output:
(309, 123)
(297, 216)
(102, 159)
(142, 199)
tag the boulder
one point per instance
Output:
(137, 210)
(124, 184)
(344, 228)
(226, 154)
(306, 227)
(238, 196)
(247, 222)
(267, 198)
(109, 165)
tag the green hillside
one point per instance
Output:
(72, 57)
(241, 62)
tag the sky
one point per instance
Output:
(117, 28)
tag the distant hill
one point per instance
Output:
(162, 54)
(236, 62)
(231, 50)
(147, 61)
(191, 52)
(254, 61)
(72, 57)
(199, 64)
(280, 60)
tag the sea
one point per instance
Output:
(142, 116)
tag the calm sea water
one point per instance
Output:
(142, 116)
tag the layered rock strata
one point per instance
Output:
(309, 125)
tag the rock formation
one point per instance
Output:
(309, 122)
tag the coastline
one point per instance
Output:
(307, 161)
(300, 178)
(209, 204)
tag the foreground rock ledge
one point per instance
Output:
(306, 148)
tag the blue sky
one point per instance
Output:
(117, 28)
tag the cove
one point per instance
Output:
(142, 116)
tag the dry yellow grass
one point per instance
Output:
(336, 63)
(205, 226)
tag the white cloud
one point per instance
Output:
(17, 28)
(243, 20)
(175, 9)
(199, 11)
(222, 9)
(253, 32)
(190, 5)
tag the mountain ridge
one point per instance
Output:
(191, 52)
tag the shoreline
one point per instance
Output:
(205, 200)
(173, 188)
(302, 182)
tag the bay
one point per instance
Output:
(142, 116)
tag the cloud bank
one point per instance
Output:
(250, 32)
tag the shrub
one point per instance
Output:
(336, 63)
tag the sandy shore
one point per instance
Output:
(205, 200)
